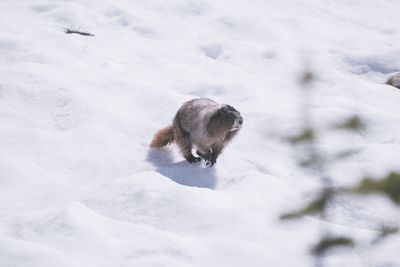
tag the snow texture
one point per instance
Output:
(79, 184)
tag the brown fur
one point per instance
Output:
(163, 137)
(204, 124)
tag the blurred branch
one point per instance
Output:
(318, 205)
(384, 232)
(306, 136)
(353, 123)
(388, 185)
(329, 242)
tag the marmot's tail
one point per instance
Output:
(163, 137)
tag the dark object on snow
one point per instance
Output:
(68, 31)
(204, 124)
(394, 81)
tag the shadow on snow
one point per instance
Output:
(196, 175)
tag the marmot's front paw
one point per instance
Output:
(206, 156)
(192, 159)
(211, 162)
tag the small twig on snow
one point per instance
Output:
(68, 31)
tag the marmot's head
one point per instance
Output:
(226, 119)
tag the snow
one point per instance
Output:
(79, 184)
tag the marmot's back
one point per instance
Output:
(194, 115)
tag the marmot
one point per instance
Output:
(394, 81)
(204, 124)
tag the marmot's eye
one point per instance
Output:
(222, 111)
(232, 118)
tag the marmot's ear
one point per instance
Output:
(223, 110)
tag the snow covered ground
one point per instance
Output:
(79, 185)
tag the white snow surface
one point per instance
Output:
(79, 185)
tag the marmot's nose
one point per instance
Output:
(240, 120)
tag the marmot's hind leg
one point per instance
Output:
(183, 141)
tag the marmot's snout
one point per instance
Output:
(232, 115)
(237, 123)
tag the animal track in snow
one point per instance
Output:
(65, 114)
(144, 31)
(40, 8)
(195, 9)
(213, 51)
(113, 12)
(9, 49)
(383, 64)
(208, 90)
(126, 20)
(268, 55)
